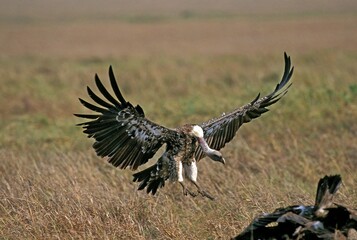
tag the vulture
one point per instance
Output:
(323, 220)
(124, 135)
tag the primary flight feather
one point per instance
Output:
(124, 135)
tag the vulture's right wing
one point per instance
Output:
(120, 130)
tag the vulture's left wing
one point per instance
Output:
(264, 226)
(221, 130)
(121, 131)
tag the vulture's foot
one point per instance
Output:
(186, 191)
(203, 192)
(206, 194)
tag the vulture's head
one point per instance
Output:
(215, 155)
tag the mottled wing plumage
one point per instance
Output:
(266, 227)
(303, 222)
(221, 130)
(120, 130)
(259, 223)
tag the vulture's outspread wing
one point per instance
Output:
(266, 225)
(120, 130)
(221, 130)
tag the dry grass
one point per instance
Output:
(53, 186)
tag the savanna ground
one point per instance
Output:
(181, 63)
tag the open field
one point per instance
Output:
(185, 65)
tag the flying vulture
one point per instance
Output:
(124, 135)
(324, 220)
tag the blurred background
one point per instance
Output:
(122, 28)
(183, 62)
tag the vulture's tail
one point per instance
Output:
(154, 177)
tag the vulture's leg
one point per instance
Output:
(187, 191)
(191, 173)
(180, 179)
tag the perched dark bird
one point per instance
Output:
(324, 220)
(123, 133)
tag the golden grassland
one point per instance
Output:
(52, 185)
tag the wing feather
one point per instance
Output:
(91, 106)
(89, 116)
(121, 131)
(115, 87)
(104, 91)
(98, 99)
(221, 130)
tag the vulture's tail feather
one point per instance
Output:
(154, 177)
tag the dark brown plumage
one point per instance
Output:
(324, 220)
(124, 135)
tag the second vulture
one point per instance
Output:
(124, 135)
